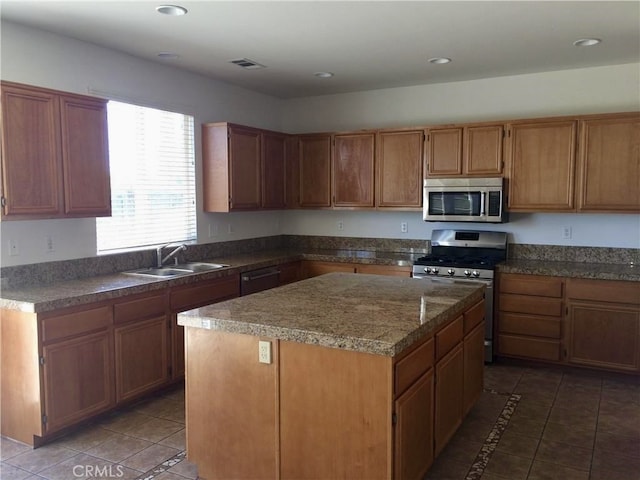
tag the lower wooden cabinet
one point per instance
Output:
(473, 372)
(142, 357)
(414, 429)
(603, 324)
(313, 268)
(449, 388)
(530, 310)
(77, 377)
(580, 322)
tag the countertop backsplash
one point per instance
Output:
(50, 272)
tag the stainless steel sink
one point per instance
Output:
(177, 270)
(163, 272)
(200, 266)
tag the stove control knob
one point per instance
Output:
(467, 273)
(451, 271)
(475, 273)
(435, 270)
(427, 269)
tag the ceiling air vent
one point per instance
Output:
(246, 63)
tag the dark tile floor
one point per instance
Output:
(566, 425)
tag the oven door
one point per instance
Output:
(488, 306)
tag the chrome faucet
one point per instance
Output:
(160, 261)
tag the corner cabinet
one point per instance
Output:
(314, 163)
(55, 160)
(541, 158)
(609, 164)
(399, 160)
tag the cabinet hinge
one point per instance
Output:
(44, 419)
(394, 418)
(427, 137)
(170, 370)
(508, 132)
(3, 201)
(566, 310)
(41, 360)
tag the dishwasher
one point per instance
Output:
(258, 280)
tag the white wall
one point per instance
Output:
(40, 58)
(582, 91)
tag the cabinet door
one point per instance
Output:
(142, 355)
(273, 170)
(78, 379)
(473, 367)
(292, 172)
(483, 150)
(605, 335)
(400, 156)
(178, 354)
(353, 157)
(541, 171)
(85, 156)
(315, 170)
(414, 429)
(444, 152)
(448, 397)
(31, 152)
(610, 165)
(244, 166)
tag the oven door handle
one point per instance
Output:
(483, 199)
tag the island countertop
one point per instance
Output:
(366, 313)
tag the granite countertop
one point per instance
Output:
(366, 313)
(597, 271)
(43, 298)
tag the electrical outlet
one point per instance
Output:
(340, 225)
(49, 244)
(13, 248)
(213, 230)
(229, 229)
(404, 227)
(264, 351)
(566, 233)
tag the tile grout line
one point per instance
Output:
(491, 442)
(162, 467)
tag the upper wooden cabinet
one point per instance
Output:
(315, 170)
(472, 150)
(609, 164)
(273, 170)
(353, 169)
(399, 159)
(541, 156)
(292, 172)
(55, 160)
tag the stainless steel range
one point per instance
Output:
(462, 256)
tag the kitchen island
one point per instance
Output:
(338, 376)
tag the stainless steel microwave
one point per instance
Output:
(464, 200)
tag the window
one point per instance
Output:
(152, 163)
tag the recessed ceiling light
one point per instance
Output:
(174, 10)
(168, 55)
(587, 42)
(439, 60)
(323, 74)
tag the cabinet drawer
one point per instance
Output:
(390, 270)
(531, 285)
(537, 326)
(529, 347)
(140, 308)
(204, 294)
(449, 337)
(76, 323)
(413, 366)
(529, 304)
(289, 272)
(473, 316)
(604, 291)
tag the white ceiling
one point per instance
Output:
(366, 44)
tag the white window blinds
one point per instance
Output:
(152, 162)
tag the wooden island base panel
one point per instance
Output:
(365, 376)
